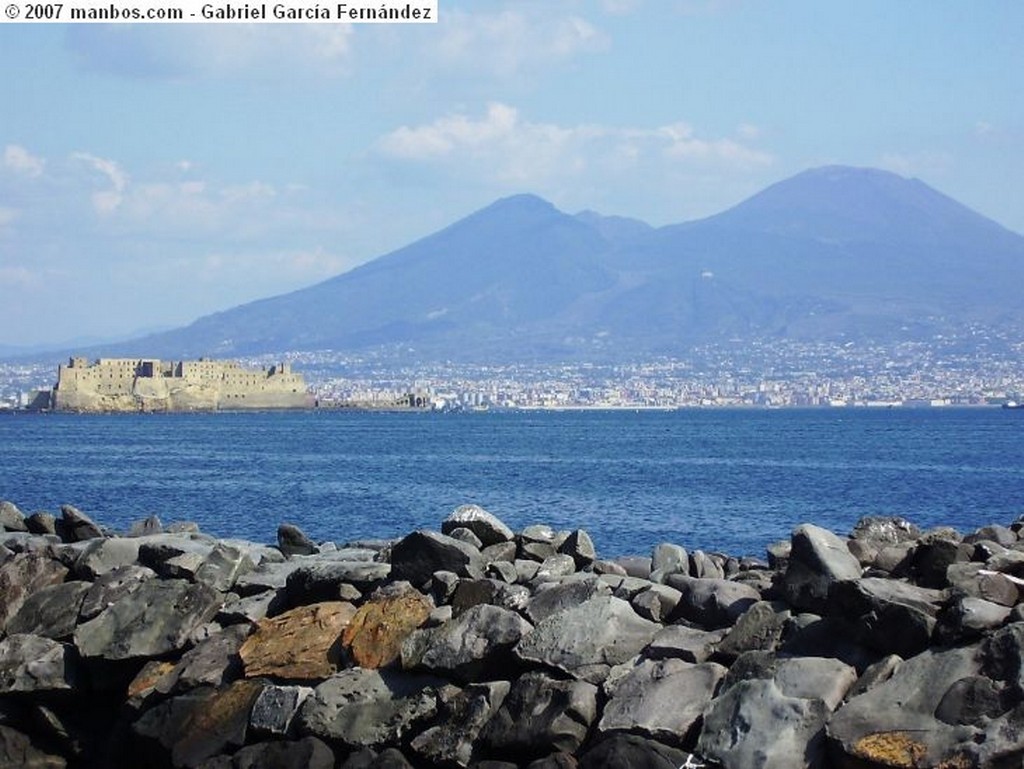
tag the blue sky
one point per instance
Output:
(151, 174)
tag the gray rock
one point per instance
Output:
(712, 603)
(148, 526)
(213, 662)
(890, 616)
(622, 751)
(931, 558)
(876, 673)
(487, 527)
(753, 725)
(275, 709)
(305, 753)
(18, 750)
(463, 713)
(657, 602)
(880, 531)
(473, 592)
(323, 579)
(501, 551)
(417, 556)
(104, 555)
(266, 576)
(556, 597)
(811, 678)
(23, 575)
(580, 547)
(251, 609)
(76, 526)
(684, 643)
(474, 645)
(51, 612)
(41, 522)
(555, 567)
(293, 541)
(156, 618)
(704, 566)
(11, 518)
(636, 566)
(541, 715)
(759, 628)
(670, 559)
(174, 555)
(587, 640)
(465, 535)
(111, 587)
(660, 699)
(30, 663)
(818, 559)
(223, 566)
(502, 570)
(365, 708)
(967, 618)
(975, 579)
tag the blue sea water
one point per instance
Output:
(721, 480)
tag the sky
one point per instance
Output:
(153, 174)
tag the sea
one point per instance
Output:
(720, 480)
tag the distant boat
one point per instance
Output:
(1013, 405)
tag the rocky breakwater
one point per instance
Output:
(479, 647)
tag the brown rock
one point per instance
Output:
(301, 644)
(375, 634)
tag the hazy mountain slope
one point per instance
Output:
(832, 253)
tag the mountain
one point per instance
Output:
(836, 253)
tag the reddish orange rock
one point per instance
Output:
(374, 637)
(301, 644)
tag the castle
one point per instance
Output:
(147, 384)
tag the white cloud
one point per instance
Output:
(501, 144)
(106, 201)
(21, 161)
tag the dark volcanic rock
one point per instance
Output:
(818, 558)
(23, 575)
(306, 753)
(463, 714)
(76, 526)
(30, 663)
(417, 556)
(487, 527)
(628, 750)
(11, 518)
(293, 541)
(51, 611)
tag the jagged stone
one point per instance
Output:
(890, 616)
(417, 556)
(174, 555)
(41, 522)
(293, 541)
(251, 609)
(302, 644)
(304, 753)
(684, 643)
(223, 566)
(196, 726)
(669, 559)
(266, 576)
(882, 530)
(660, 699)
(809, 635)
(51, 612)
(275, 709)
(31, 663)
(473, 644)
(11, 518)
(17, 750)
(753, 725)
(463, 713)
(975, 579)
(23, 575)
(502, 570)
(463, 534)
(712, 603)
(213, 662)
(580, 547)
(759, 628)
(931, 558)
(499, 552)
(76, 526)
(876, 673)
(629, 750)
(374, 636)
(540, 715)
(818, 558)
(473, 592)
(365, 708)
(487, 527)
(967, 618)
(704, 566)
(156, 618)
(111, 587)
(103, 555)
(322, 579)
(555, 567)
(586, 640)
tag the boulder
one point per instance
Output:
(51, 612)
(580, 547)
(465, 535)
(31, 663)
(760, 627)
(301, 645)
(76, 526)
(659, 699)
(11, 518)
(293, 541)
(487, 527)
(417, 556)
(470, 647)
(684, 643)
(222, 567)
(818, 558)
(712, 603)
(157, 618)
(212, 662)
(669, 559)
(628, 750)
(587, 640)
(104, 555)
(555, 597)
(324, 579)
(111, 587)
(888, 615)
(541, 715)
(41, 522)
(365, 708)
(23, 575)
(373, 638)
(275, 709)
(473, 592)
(462, 714)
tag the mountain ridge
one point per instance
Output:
(835, 253)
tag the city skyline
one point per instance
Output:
(198, 167)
